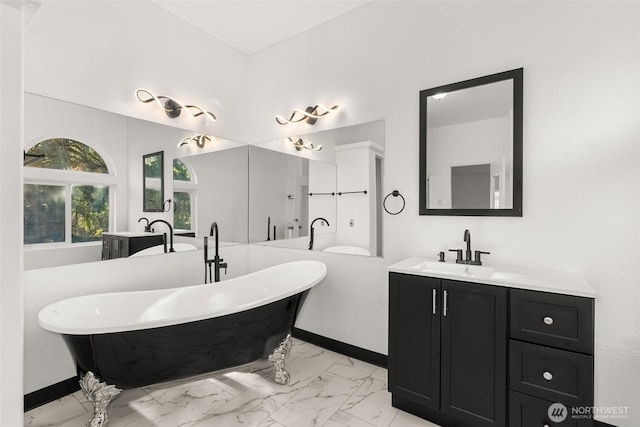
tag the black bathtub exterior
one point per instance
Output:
(137, 358)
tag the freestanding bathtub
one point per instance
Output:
(131, 339)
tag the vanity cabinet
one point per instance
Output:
(550, 356)
(115, 245)
(466, 354)
(448, 350)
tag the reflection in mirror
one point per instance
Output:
(212, 187)
(289, 189)
(153, 182)
(471, 147)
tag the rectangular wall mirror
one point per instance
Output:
(153, 182)
(471, 147)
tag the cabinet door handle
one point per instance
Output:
(434, 307)
(547, 376)
(548, 320)
(444, 305)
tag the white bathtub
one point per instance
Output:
(126, 311)
(350, 250)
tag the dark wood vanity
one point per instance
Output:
(463, 353)
(122, 245)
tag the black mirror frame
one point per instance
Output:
(144, 186)
(517, 76)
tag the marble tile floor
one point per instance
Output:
(326, 389)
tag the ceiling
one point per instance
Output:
(252, 25)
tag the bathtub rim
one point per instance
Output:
(51, 321)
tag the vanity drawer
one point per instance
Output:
(555, 320)
(528, 411)
(551, 374)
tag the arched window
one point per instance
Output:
(67, 192)
(183, 196)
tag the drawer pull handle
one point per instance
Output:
(548, 320)
(547, 376)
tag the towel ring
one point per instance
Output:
(394, 193)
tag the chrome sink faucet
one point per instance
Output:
(467, 260)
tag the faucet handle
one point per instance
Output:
(458, 254)
(477, 256)
(441, 256)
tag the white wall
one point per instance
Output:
(581, 176)
(98, 53)
(349, 305)
(11, 235)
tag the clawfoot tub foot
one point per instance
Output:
(278, 356)
(100, 395)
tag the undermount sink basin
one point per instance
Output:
(455, 269)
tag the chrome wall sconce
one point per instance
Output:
(299, 144)
(309, 115)
(200, 140)
(171, 106)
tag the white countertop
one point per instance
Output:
(558, 282)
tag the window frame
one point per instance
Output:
(191, 187)
(67, 179)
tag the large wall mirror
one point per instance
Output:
(248, 190)
(471, 147)
(335, 191)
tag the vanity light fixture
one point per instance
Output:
(299, 144)
(171, 106)
(200, 140)
(309, 115)
(439, 96)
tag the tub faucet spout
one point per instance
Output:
(216, 261)
(311, 233)
(170, 232)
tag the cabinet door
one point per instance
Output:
(414, 339)
(474, 352)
